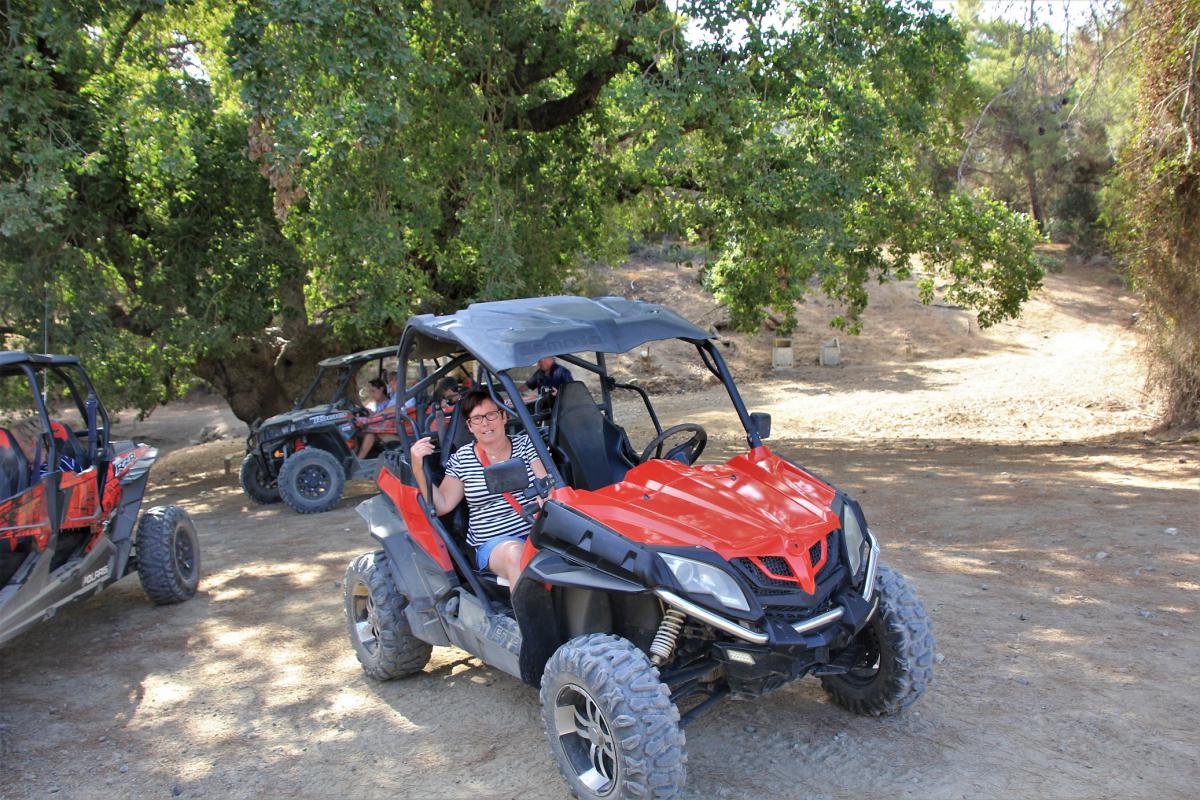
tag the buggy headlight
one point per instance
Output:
(852, 532)
(703, 579)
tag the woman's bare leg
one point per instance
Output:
(505, 561)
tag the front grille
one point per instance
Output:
(777, 565)
(814, 554)
(760, 579)
(786, 615)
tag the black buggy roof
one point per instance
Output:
(360, 356)
(38, 359)
(514, 333)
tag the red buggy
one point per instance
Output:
(652, 584)
(70, 497)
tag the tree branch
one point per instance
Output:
(123, 36)
(122, 319)
(555, 113)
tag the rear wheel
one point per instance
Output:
(257, 484)
(379, 631)
(168, 555)
(311, 480)
(894, 662)
(611, 724)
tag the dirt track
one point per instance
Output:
(1059, 566)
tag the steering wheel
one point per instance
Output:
(352, 405)
(687, 452)
(542, 407)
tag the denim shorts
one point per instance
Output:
(485, 550)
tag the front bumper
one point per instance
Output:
(759, 662)
(850, 612)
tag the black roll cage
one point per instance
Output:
(91, 410)
(487, 375)
(346, 372)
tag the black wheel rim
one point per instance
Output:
(185, 554)
(586, 739)
(866, 666)
(362, 609)
(313, 482)
(262, 478)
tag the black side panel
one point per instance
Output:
(586, 541)
(121, 528)
(534, 610)
(550, 567)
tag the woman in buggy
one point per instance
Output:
(496, 528)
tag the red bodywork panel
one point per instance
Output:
(752, 506)
(407, 499)
(26, 515)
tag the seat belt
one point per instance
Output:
(483, 459)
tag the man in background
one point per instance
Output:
(549, 376)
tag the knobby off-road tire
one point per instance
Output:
(897, 662)
(311, 481)
(255, 483)
(611, 724)
(379, 631)
(168, 555)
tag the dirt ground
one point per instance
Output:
(1006, 473)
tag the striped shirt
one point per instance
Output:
(489, 515)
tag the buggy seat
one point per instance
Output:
(14, 467)
(595, 451)
(68, 444)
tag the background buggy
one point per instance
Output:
(66, 533)
(305, 456)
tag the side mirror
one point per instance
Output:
(762, 424)
(506, 477)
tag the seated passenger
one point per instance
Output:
(494, 528)
(449, 393)
(377, 395)
(548, 377)
(28, 435)
(378, 401)
(392, 393)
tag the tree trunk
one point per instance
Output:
(1035, 197)
(268, 373)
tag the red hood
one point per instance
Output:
(753, 505)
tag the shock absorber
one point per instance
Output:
(664, 641)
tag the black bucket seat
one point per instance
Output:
(14, 467)
(594, 450)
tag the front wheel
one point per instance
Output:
(611, 724)
(311, 480)
(379, 631)
(894, 662)
(168, 555)
(257, 484)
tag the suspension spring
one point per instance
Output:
(664, 641)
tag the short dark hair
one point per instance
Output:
(471, 401)
(378, 383)
(448, 384)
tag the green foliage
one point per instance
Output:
(1051, 112)
(410, 156)
(422, 142)
(1153, 201)
(129, 206)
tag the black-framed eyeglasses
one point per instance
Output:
(490, 416)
